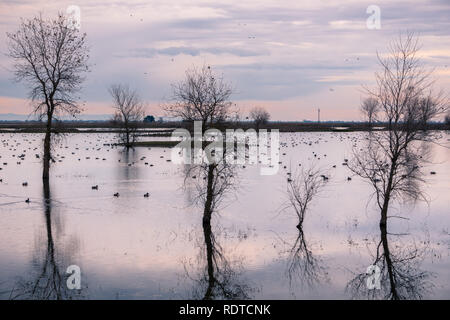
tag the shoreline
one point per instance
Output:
(163, 129)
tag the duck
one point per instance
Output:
(146, 195)
(28, 200)
(116, 194)
(95, 187)
(25, 184)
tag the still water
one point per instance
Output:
(135, 247)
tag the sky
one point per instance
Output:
(290, 57)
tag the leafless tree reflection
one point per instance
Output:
(47, 280)
(220, 278)
(401, 276)
(303, 265)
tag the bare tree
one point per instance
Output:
(129, 111)
(392, 159)
(260, 116)
(391, 162)
(302, 264)
(302, 189)
(370, 108)
(201, 96)
(50, 56)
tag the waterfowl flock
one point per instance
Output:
(102, 192)
(92, 149)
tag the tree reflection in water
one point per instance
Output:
(392, 160)
(47, 279)
(303, 266)
(219, 278)
(401, 275)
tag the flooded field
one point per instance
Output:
(96, 214)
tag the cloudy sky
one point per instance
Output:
(291, 57)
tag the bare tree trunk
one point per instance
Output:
(387, 195)
(389, 264)
(48, 222)
(383, 228)
(207, 213)
(384, 211)
(47, 150)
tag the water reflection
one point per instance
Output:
(218, 278)
(143, 241)
(129, 170)
(401, 274)
(47, 279)
(303, 264)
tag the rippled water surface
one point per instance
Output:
(136, 247)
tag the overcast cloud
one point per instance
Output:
(290, 56)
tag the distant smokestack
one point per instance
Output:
(318, 115)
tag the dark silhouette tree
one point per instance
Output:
(370, 108)
(201, 96)
(50, 56)
(392, 159)
(260, 116)
(130, 111)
